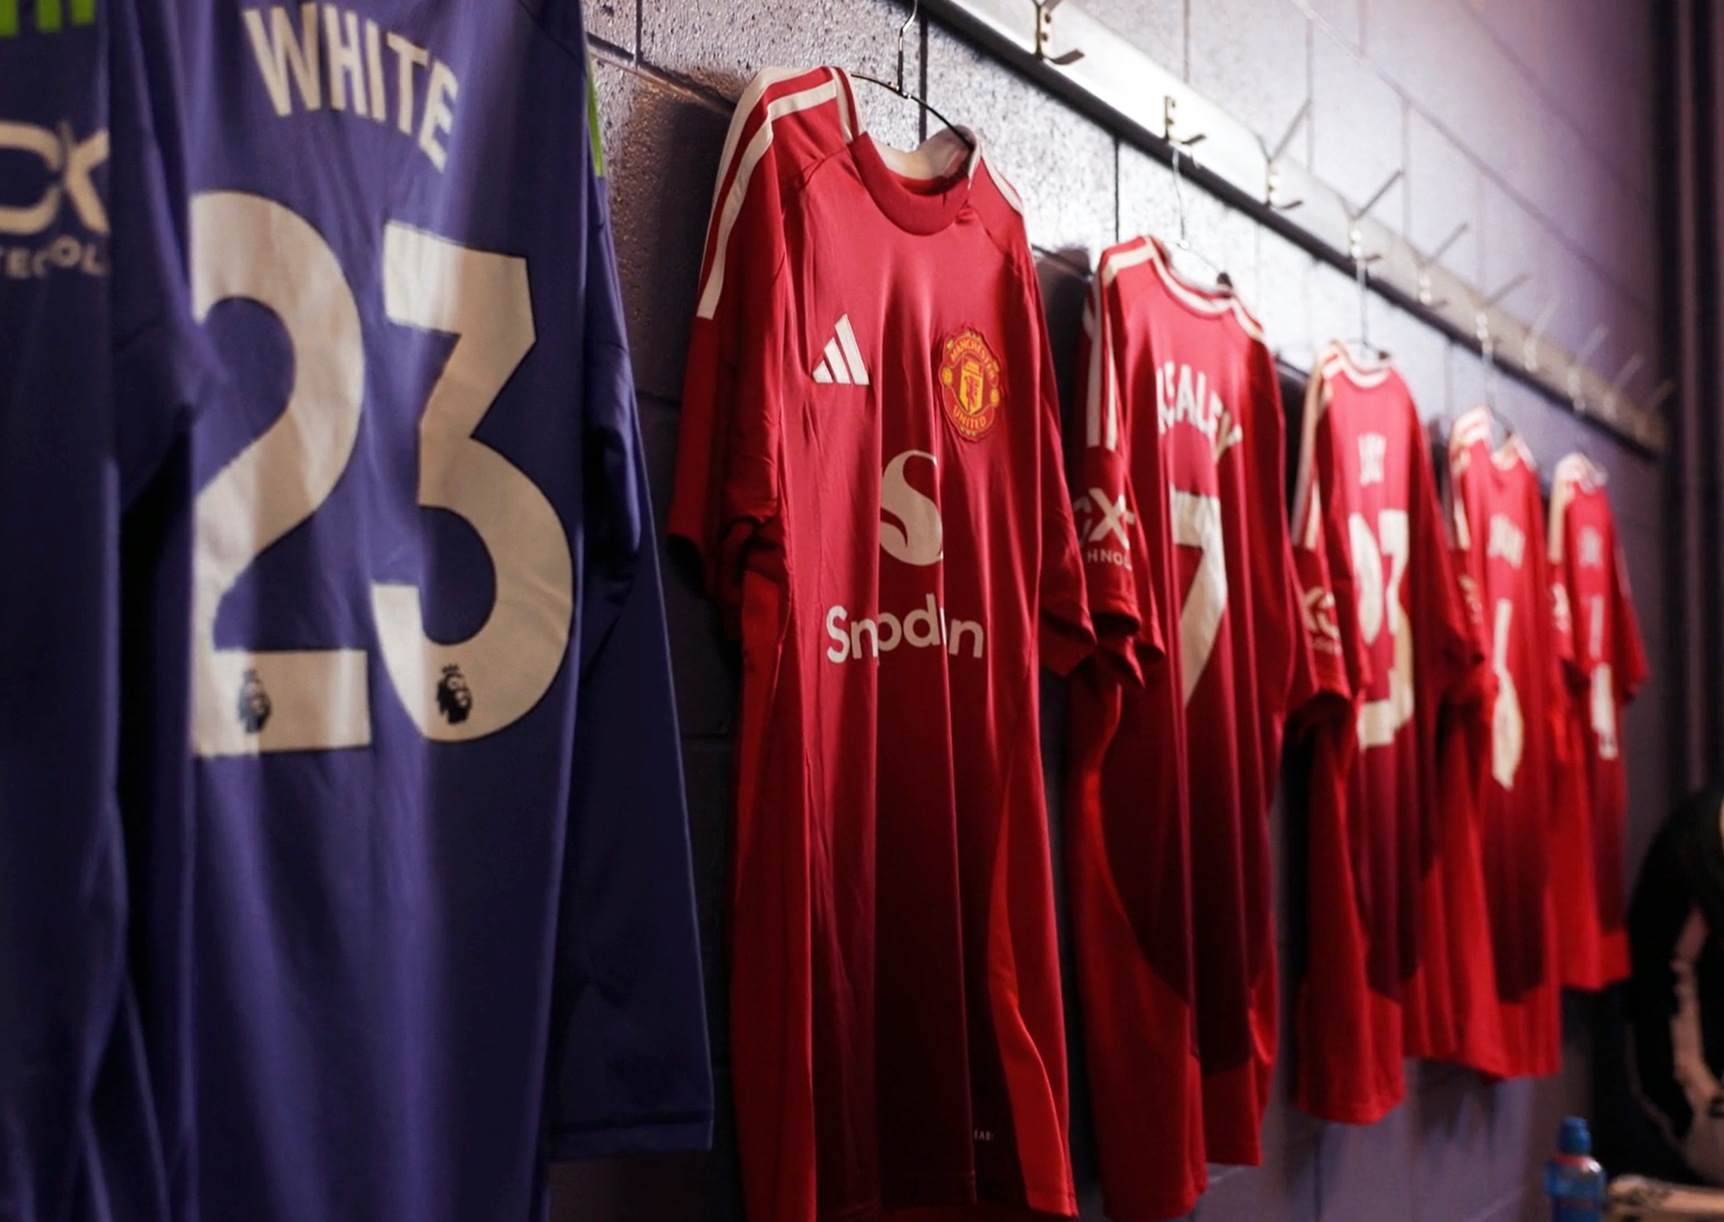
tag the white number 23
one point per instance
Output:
(248, 700)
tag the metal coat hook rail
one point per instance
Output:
(1073, 55)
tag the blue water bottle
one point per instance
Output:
(1573, 1179)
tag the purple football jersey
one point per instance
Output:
(441, 919)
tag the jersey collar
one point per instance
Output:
(923, 190)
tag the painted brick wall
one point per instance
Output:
(1527, 118)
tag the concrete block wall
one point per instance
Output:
(1528, 119)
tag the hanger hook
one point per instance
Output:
(1362, 278)
(1179, 191)
(915, 9)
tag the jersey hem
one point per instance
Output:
(670, 1137)
(1363, 1114)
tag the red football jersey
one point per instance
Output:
(1589, 584)
(1389, 633)
(1181, 517)
(870, 465)
(1518, 733)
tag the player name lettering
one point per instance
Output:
(923, 628)
(1591, 549)
(1182, 396)
(1373, 450)
(372, 73)
(1507, 540)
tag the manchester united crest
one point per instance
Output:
(970, 383)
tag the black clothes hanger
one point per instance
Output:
(897, 87)
(1183, 241)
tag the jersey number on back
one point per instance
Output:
(1197, 523)
(254, 700)
(1379, 608)
(1508, 724)
(1603, 683)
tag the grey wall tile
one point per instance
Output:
(1596, 72)
(1587, 298)
(1533, 32)
(613, 21)
(1060, 163)
(1512, 244)
(721, 46)
(1285, 1187)
(1250, 58)
(1283, 299)
(663, 147)
(1469, 87)
(1146, 202)
(1419, 354)
(1154, 26)
(1624, 244)
(1356, 128)
(1443, 186)
(1345, 17)
(1222, 235)
(1466, 379)
(1365, 1173)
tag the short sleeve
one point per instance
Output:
(1464, 582)
(628, 1070)
(1630, 661)
(1279, 635)
(1559, 554)
(733, 388)
(1335, 658)
(1445, 608)
(1103, 498)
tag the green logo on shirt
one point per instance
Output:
(51, 16)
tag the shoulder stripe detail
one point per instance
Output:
(1472, 427)
(727, 203)
(1516, 448)
(1126, 254)
(1150, 250)
(1561, 496)
(1338, 361)
(1575, 474)
(1006, 189)
(1217, 302)
(1101, 400)
(1307, 498)
(1582, 470)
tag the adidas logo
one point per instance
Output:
(842, 362)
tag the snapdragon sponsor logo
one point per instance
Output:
(923, 628)
(912, 533)
(1098, 517)
(36, 240)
